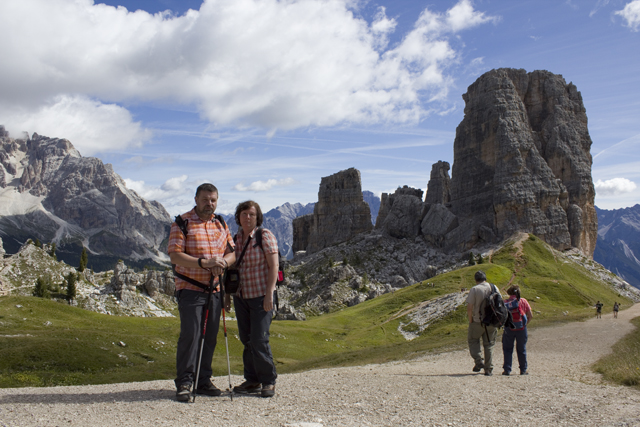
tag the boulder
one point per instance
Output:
(400, 213)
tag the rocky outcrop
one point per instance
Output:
(125, 281)
(340, 214)
(122, 291)
(439, 187)
(400, 213)
(59, 196)
(521, 163)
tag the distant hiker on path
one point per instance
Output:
(599, 310)
(477, 331)
(257, 255)
(201, 247)
(521, 315)
(616, 307)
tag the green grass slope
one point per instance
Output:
(46, 343)
(622, 366)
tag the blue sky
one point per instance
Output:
(265, 97)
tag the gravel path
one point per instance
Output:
(437, 390)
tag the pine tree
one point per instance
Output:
(84, 258)
(52, 251)
(37, 243)
(472, 260)
(71, 286)
(480, 259)
(42, 288)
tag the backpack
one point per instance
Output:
(517, 315)
(496, 313)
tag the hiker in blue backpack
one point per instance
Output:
(521, 315)
(477, 330)
(254, 300)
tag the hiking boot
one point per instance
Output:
(488, 373)
(506, 373)
(208, 389)
(184, 393)
(268, 390)
(247, 387)
(478, 368)
(524, 373)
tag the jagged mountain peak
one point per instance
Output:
(54, 194)
(618, 247)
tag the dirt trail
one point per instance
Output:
(436, 390)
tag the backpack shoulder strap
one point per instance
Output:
(221, 219)
(183, 225)
(258, 237)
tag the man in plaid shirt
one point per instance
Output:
(205, 251)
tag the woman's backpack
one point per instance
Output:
(517, 315)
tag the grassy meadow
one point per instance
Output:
(45, 343)
(622, 366)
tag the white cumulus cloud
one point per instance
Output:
(614, 187)
(259, 186)
(631, 14)
(266, 63)
(90, 125)
(172, 187)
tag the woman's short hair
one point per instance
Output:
(248, 205)
(514, 290)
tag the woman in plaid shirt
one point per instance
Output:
(253, 302)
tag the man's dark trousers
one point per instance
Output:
(191, 305)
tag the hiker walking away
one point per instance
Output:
(478, 331)
(616, 307)
(253, 302)
(599, 310)
(521, 315)
(200, 247)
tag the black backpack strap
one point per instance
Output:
(183, 225)
(258, 236)
(221, 219)
(239, 260)
(190, 280)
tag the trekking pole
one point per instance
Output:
(226, 341)
(204, 331)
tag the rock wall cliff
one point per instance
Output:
(522, 162)
(340, 214)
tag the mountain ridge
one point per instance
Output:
(618, 245)
(51, 193)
